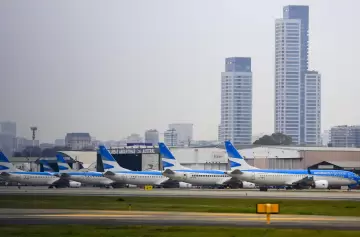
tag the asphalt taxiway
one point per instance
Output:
(204, 193)
(62, 216)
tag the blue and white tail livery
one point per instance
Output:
(236, 161)
(168, 159)
(46, 166)
(64, 167)
(5, 165)
(109, 162)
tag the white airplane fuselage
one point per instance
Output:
(199, 178)
(137, 177)
(32, 178)
(92, 178)
(284, 178)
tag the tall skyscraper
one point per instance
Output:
(313, 108)
(236, 101)
(291, 75)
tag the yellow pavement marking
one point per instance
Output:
(258, 218)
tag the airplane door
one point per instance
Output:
(252, 177)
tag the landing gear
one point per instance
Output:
(265, 189)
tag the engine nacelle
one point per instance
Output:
(131, 186)
(248, 185)
(184, 185)
(321, 184)
(74, 184)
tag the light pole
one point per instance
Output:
(33, 130)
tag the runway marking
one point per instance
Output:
(181, 218)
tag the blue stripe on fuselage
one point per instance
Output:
(95, 174)
(219, 172)
(336, 173)
(33, 173)
(139, 172)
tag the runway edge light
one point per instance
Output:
(268, 209)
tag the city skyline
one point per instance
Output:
(52, 79)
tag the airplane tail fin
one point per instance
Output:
(236, 161)
(46, 166)
(168, 159)
(5, 165)
(109, 162)
(63, 165)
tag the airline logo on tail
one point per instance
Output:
(46, 166)
(63, 165)
(5, 164)
(236, 161)
(168, 159)
(108, 160)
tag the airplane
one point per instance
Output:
(174, 170)
(11, 174)
(121, 175)
(68, 183)
(87, 177)
(319, 179)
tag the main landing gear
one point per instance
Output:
(263, 189)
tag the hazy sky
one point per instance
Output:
(116, 67)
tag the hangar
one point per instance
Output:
(352, 166)
(266, 157)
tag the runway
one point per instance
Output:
(59, 216)
(353, 195)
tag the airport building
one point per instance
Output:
(210, 158)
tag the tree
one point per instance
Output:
(274, 139)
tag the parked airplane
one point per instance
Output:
(175, 171)
(89, 177)
(121, 175)
(11, 174)
(320, 179)
(62, 182)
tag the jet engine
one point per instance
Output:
(321, 184)
(184, 185)
(247, 185)
(74, 184)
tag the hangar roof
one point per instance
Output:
(346, 164)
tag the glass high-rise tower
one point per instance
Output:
(297, 93)
(236, 101)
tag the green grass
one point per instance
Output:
(158, 231)
(302, 207)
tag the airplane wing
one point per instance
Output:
(5, 174)
(163, 181)
(168, 171)
(306, 181)
(228, 180)
(109, 173)
(234, 172)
